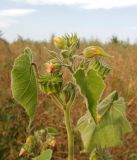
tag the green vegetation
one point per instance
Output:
(88, 71)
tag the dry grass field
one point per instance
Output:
(13, 119)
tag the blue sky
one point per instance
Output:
(39, 19)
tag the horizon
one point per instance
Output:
(109, 40)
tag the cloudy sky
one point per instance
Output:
(39, 19)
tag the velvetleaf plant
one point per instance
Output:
(105, 120)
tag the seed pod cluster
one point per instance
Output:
(50, 83)
(68, 44)
(101, 67)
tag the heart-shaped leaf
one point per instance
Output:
(108, 131)
(23, 82)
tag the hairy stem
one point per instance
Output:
(69, 133)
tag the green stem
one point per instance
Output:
(69, 133)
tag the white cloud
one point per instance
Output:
(15, 12)
(8, 16)
(87, 4)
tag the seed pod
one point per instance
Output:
(93, 51)
(51, 83)
(68, 93)
(59, 42)
(103, 154)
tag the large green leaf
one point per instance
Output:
(23, 82)
(108, 131)
(91, 86)
(45, 155)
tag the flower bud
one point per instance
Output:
(59, 42)
(51, 141)
(98, 117)
(29, 139)
(53, 66)
(93, 51)
(49, 67)
(22, 151)
(28, 146)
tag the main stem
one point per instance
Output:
(69, 133)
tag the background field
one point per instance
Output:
(13, 119)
